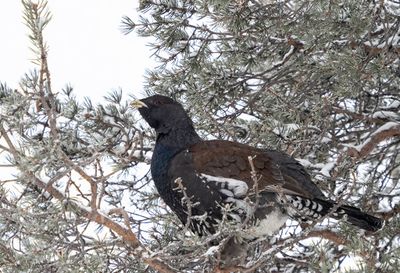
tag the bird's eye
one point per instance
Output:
(157, 102)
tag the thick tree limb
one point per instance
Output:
(329, 235)
(386, 131)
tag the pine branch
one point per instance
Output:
(383, 133)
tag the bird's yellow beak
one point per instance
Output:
(138, 104)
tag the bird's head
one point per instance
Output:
(162, 113)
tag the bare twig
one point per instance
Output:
(185, 200)
(255, 179)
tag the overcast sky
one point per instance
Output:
(87, 47)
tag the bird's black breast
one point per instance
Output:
(161, 159)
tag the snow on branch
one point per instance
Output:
(386, 131)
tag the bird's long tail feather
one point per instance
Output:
(361, 219)
(316, 208)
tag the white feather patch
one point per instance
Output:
(304, 206)
(238, 188)
(267, 226)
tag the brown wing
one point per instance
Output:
(229, 159)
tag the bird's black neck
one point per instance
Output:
(178, 138)
(168, 144)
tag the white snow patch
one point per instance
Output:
(375, 43)
(137, 153)
(327, 168)
(356, 147)
(392, 8)
(285, 129)
(118, 150)
(385, 115)
(247, 117)
(304, 162)
(386, 126)
(393, 105)
(326, 140)
(148, 156)
(285, 58)
(211, 251)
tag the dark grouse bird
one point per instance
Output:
(205, 180)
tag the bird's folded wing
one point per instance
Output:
(274, 171)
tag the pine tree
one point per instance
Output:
(316, 79)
